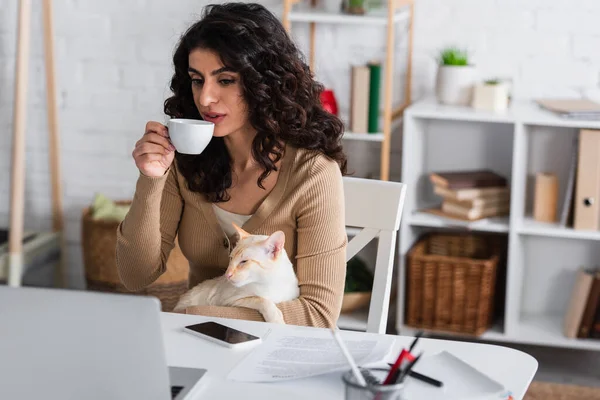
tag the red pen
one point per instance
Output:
(403, 355)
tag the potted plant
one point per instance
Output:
(354, 6)
(455, 77)
(491, 95)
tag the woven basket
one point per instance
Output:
(451, 280)
(99, 240)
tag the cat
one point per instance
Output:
(260, 275)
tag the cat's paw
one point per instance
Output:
(179, 309)
(275, 316)
(182, 304)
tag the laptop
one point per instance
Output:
(72, 345)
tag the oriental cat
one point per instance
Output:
(259, 276)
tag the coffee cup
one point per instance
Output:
(190, 136)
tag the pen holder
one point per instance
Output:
(373, 391)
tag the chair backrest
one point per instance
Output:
(375, 207)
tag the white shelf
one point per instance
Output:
(525, 112)
(495, 333)
(541, 330)
(539, 272)
(429, 108)
(499, 224)
(367, 137)
(355, 321)
(376, 17)
(536, 228)
(529, 113)
(548, 330)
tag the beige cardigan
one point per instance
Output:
(307, 204)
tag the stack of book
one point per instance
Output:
(472, 194)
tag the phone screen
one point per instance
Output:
(222, 332)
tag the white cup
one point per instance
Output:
(190, 136)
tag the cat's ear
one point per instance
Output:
(242, 234)
(274, 243)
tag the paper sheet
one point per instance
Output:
(461, 380)
(284, 355)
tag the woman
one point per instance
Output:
(274, 163)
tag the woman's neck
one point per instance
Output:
(239, 146)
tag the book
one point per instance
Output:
(571, 108)
(480, 202)
(587, 211)
(595, 331)
(476, 213)
(568, 206)
(467, 179)
(473, 193)
(374, 94)
(587, 319)
(359, 99)
(577, 303)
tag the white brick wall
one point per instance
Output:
(114, 61)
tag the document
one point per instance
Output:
(286, 355)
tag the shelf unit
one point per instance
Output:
(14, 267)
(397, 11)
(542, 257)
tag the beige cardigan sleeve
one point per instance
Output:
(321, 255)
(146, 236)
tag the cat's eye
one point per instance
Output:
(242, 262)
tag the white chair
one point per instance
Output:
(375, 208)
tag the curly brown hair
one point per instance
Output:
(277, 85)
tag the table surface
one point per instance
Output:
(513, 368)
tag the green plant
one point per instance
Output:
(358, 277)
(492, 82)
(453, 56)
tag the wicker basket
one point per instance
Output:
(99, 239)
(451, 280)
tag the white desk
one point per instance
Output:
(512, 368)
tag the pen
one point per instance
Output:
(395, 370)
(357, 375)
(408, 368)
(396, 366)
(424, 378)
(414, 343)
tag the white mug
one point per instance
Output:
(190, 136)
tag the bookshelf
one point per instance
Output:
(542, 258)
(397, 11)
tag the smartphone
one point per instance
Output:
(222, 334)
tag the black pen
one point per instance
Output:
(408, 368)
(423, 378)
(414, 343)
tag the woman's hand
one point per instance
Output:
(154, 153)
